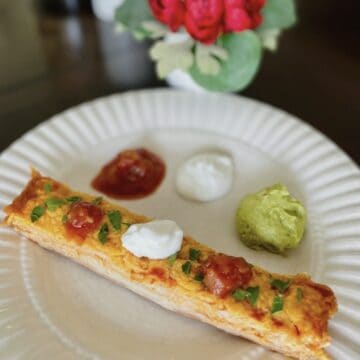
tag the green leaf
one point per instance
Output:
(64, 219)
(154, 29)
(254, 294)
(269, 38)
(207, 58)
(103, 233)
(251, 294)
(54, 203)
(73, 199)
(278, 304)
(244, 55)
(194, 254)
(37, 212)
(186, 267)
(132, 13)
(47, 188)
(97, 201)
(299, 295)
(172, 56)
(240, 294)
(199, 277)
(115, 219)
(282, 286)
(172, 258)
(278, 14)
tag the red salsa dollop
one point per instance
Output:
(83, 218)
(132, 174)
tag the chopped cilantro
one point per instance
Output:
(47, 188)
(171, 259)
(194, 254)
(115, 219)
(103, 233)
(240, 294)
(199, 277)
(299, 294)
(97, 201)
(254, 294)
(282, 286)
(37, 212)
(251, 294)
(64, 219)
(278, 304)
(73, 199)
(53, 203)
(186, 267)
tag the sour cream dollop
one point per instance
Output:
(205, 177)
(156, 239)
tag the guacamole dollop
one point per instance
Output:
(271, 219)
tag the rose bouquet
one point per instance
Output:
(218, 43)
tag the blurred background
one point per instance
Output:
(57, 53)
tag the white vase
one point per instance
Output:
(182, 80)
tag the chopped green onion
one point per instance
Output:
(115, 219)
(299, 294)
(282, 286)
(97, 201)
(53, 203)
(171, 259)
(37, 212)
(278, 304)
(251, 294)
(194, 254)
(103, 233)
(73, 199)
(64, 219)
(186, 267)
(199, 277)
(47, 188)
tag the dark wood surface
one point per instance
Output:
(50, 62)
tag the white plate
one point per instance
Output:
(51, 308)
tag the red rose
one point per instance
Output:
(169, 12)
(203, 19)
(242, 14)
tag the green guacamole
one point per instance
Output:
(271, 219)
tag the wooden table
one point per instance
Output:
(49, 63)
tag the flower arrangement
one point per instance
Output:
(219, 43)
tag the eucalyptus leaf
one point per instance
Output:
(244, 55)
(278, 14)
(132, 13)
